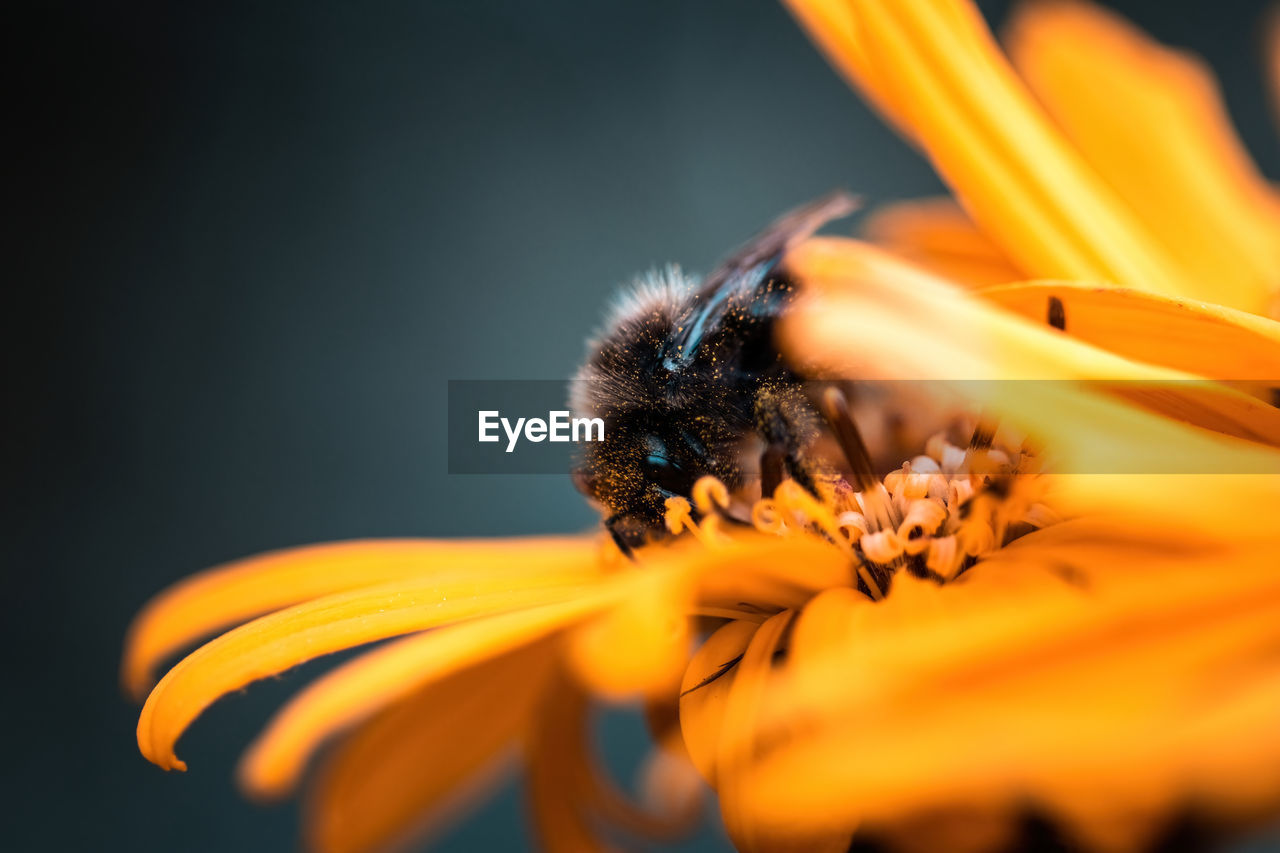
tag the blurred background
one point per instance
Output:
(253, 242)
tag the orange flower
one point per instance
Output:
(1071, 617)
(1090, 670)
(1103, 158)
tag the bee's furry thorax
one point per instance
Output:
(622, 354)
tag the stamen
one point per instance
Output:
(853, 524)
(866, 575)
(679, 518)
(877, 506)
(882, 547)
(835, 408)
(944, 557)
(766, 517)
(1057, 314)
(796, 501)
(710, 495)
(935, 517)
(983, 435)
(923, 518)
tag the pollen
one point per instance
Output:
(934, 516)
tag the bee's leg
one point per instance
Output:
(835, 409)
(802, 475)
(611, 525)
(772, 469)
(780, 424)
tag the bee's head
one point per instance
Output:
(645, 459)
(657, 440)
(665, 427)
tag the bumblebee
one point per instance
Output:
(689, 382)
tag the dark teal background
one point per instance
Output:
(253, 241)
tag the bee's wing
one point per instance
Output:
(749, 267)
(758, 256)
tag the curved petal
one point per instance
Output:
(1019, 178)
(735, 742)
(1093, 702)
(1193, 184)
(641, 646)
(1115, 458)
(971, 340)
(875, 317)
(413, 767)
(937, 234)
(232, 593)
(570, 796)
(705, 690)
(830, 619)
(274, 643)
(1185, 484)
(736, 746)
(564, 784)
(379, 678)
(1196, 337)
(765, 574)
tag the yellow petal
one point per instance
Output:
(971, 340)
(765, 574)
(939, 236)
(706, 689)
(831, 26)
(1146, 470)
(1196, 337)
(274, 643)
(887, 323)
(570, 797)
(736, 746)
(416, 765)
(379, 678)
(1022, 182)
(639, 647)
(1095, 702)
(829, 619)
(1115, 458)
(875, 317)
(564, 787)
(1192, 183)
(228, 595)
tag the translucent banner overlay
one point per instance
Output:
(1080, 427)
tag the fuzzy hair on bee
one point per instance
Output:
(640, 320)
(689, 382)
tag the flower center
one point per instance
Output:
(935, 516)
